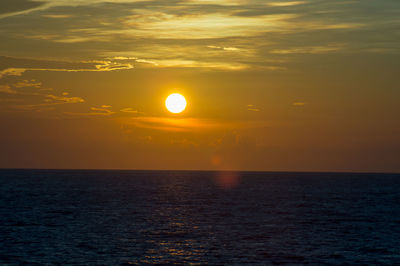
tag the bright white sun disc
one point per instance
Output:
(175, 103)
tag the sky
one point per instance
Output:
(270, 85)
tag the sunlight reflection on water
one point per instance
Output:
(227, 179)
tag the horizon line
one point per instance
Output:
(204, 170)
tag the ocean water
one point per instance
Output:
(183, 217)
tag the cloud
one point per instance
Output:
(57, 16)
(104, 110)
(129, 110)
(238, 34)
(311, 49)
(17, 7)
(29, 95)
(11, 72)
(76, 38)
(95, 111)
(174, 124)
(63, 99)
(60, 66)
(199, 64)
(49, 101)
(111, 66)
(176, 57)
(188, 124)
(20, 7)
(147, 61)
(253, 108)
(11, 89)
(199, 22)
(134, 59)
(290, 3)
(28, 83)
(7, 89)
(232, 49)
(161, 25)
(123, 58)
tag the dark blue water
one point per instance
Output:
(138, 217)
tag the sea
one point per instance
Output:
(109, 217)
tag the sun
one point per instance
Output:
(175, 103)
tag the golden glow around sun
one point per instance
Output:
(175, 103)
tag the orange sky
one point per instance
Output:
(271, 85)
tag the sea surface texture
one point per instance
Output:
(183, 217)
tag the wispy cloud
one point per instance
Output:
(7, 89)
(179, 62)
(28, 83)
(189, 124)
(57, 16)
(199, 64)
(23, 88)
(94, 111)
(24, 7)
(29, 95)
(253, 108)
(11, 72)
(173, 124)
(213, 25)
(299, 104)
(310, 50)
(208, 34)
(49, 101)
(231, 49)
(129, 110)
(89, 66)
(289, 3)
(21, 7)
(63, 99)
